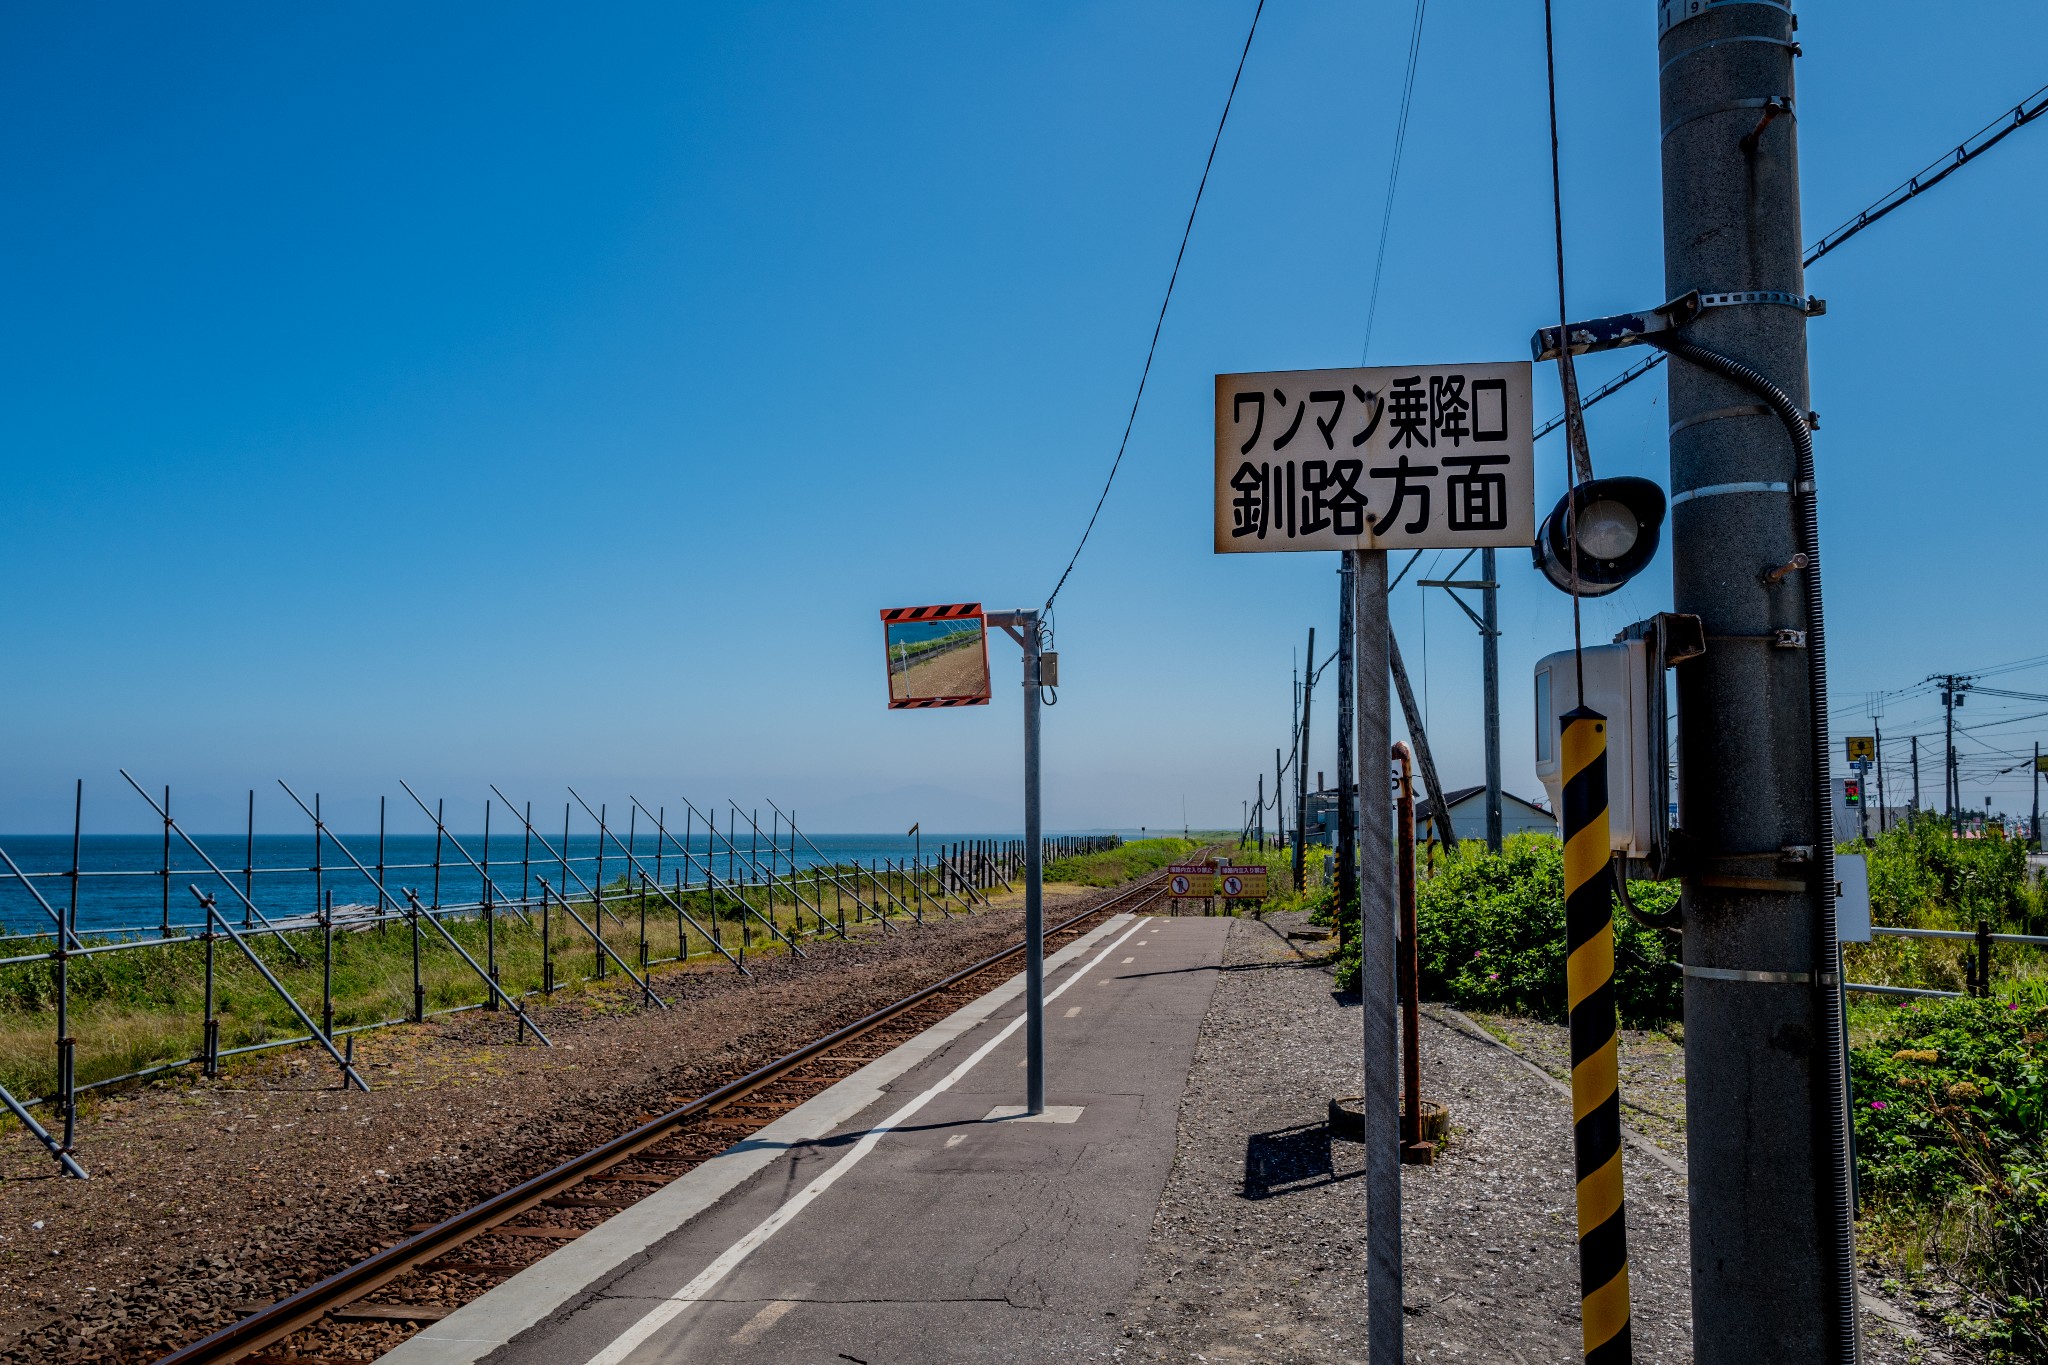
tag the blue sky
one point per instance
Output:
(534, 394)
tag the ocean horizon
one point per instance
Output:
(122, 884)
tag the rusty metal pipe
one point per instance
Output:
(1408, 973)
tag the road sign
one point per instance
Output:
(1185, 880)
(1861, 747)
(1242, 883)
(937, 656)
(1385, 458)
(2041, 763)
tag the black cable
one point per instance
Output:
(1372, 305)
(1160, 322)
(1578, 460)
(2019, 117)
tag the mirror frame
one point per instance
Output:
(957, 611)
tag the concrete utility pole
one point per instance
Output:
(1916, 774)
(1953, 686)
(1367, 611)
(1772, 1260)
(2034, 826)
(1489, 630)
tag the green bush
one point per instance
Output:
(1490, 936)
(1951, 1101)
(1923, 878)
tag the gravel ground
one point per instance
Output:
(1257, 1252)
(241, 1190)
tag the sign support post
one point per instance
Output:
(1377, 966)
(1404, 457)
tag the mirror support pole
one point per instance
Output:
(1023, 625)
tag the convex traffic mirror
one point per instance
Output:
(1616, 524)
(938, 656)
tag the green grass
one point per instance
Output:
(1114, 867)
(143, 1006)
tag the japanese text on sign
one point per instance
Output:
(1191, 879)
(1391, 457)
(1243, 883)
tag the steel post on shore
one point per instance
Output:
(489, 914)
(327, 966)
(67, 938)
(249, 863)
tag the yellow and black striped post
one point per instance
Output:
(1596, 1093)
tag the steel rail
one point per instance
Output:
(270, 1325)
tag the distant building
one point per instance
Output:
(1468, 815)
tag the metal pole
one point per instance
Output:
(167, 861)
(1948, 762)
(67, 1048)
(1489, 631)
(326, 965)
(1877, 742)
(1279, 805)
(490, 913)
(1347, 701)
(319, 882)
(249, 864)
(1413, 1148)
(1916, 773)
(1371, 644)
(1773, 1270)
(1308, 693)
(2035, 827)
(1034, 868)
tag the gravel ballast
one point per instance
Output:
(1258, 1249)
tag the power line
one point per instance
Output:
(1393, 174)
(1151, 350)
(1972, 147)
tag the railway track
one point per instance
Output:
(371, 1306)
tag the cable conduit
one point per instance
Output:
(1838, 1222)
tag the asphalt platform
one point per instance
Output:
(910, 1213)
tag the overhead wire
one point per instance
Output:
(1160, 322)
(1972, 147)
(1393, 173)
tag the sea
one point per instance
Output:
(123, 889)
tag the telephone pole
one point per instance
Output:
(1773, 1261)
(1953, 685)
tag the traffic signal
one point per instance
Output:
(1852, 792)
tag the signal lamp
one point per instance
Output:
(1616, 526)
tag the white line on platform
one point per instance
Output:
(730, 1259)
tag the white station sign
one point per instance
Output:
(1386, 458)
